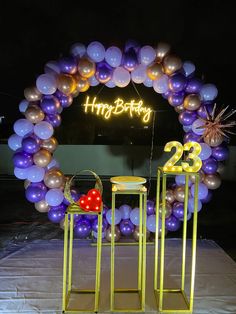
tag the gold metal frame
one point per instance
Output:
(140, 290)
(159, 292)
(67, 264)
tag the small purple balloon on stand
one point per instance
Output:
(187, 117)
(82, 228)
(56, 213)
(210, 165)
(178, 210)
(172, 223)
(150, 207)
(126, 227)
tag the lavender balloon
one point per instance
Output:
(96, 51)
(191, 205)
(151, 223)
(46, 84)
(198, 126)
(54, 197)
(208, 92)
(147, 55)
(134, 216)
(113, 56)
(139, 75)
(208, 198)
(160, 85)
(43, 130)
(23, 127)
(35, 174)
(15, 142)
(126, 227)
(23, 105)
(21, 173)
(188, 68)
(205, 152)
(180, 180)
(125, 211)
(202, 191)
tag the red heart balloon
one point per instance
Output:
(91, 202)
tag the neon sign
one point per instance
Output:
(118, 107)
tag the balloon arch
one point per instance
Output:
(33, 142)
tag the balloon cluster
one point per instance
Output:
(33, 142)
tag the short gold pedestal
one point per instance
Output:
(160, 291)
(67, 266)
(132, 186)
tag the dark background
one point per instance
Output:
(34, 32)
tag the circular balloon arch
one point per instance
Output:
(33, 142)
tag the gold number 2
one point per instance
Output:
(193, 155)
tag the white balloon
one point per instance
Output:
(121, 77)
(139, 75)
(160, 85)
(113, 56)
(147, 55)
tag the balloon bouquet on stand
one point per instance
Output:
(33, 142)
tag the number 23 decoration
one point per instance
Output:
(194, 150)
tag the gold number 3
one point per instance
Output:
(193, 155)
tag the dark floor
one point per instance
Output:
(20, 222)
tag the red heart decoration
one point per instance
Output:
(91, 202)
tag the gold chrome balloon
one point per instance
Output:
(54, 179)
(86, 68)
(136, 233)
(179, 108)
(192, 102)
(213, 141)
(42, 158)
(154, 71)
(212, 181)
(66, 83)
(32, 93)
(171, 64)
(117, 234)
(168, 210)
(50, 144)
(42, 206)
(34, 114)
(162, 50)
(179, 193)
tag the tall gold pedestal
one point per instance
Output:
(160, 291)
(132, 186)
(67, 266)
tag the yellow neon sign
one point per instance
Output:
(120, 106)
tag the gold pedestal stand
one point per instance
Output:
(132, 186)
(161, 292)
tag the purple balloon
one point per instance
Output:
(220, 153)
(68, 65)
(150, 207)
(172, 223)
(90, 217)
(187, 117)
(208, 198)
(35, 193)
(132, 44)
(210, 165)
(130, 59)
(167, 94)
(191, 137)
(50, 104)
(126, 227)
(194, 85)
(56, 213)
(95, 225)
(103, 72)
(22, 159)
(202, 111)
(176, 99)
(31, 144)
(177, 82)
(64, 100)
(178, 210)
(82, 229)
(53, 119)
